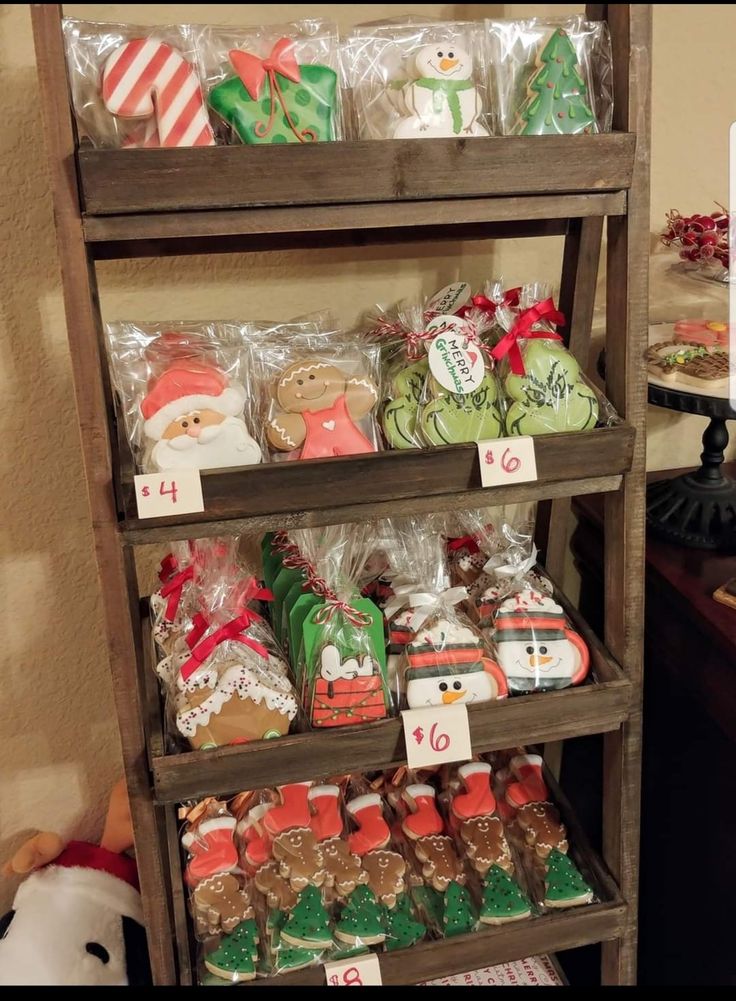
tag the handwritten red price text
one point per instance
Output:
(509, 463)
(162, 491)
(439, 742)
(349, 977)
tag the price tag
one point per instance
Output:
(507, 460)
(436, 735)
(361, 971)
(161, 495)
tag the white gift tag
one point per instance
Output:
(361, 971)
(436, 735)
(450, 298)
(163, 495)
(456, 362)
(507, 460)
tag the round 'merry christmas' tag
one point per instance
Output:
(455, 360)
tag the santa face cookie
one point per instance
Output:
(318, 407)
(443, 100)
(195, 417)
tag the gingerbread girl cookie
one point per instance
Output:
(300, 857)
(318, 410)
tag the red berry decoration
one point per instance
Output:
(699, 239)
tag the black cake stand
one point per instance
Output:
(699, 509)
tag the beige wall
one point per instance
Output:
(59, 752)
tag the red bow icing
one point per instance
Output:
(253, 72)
(233, 630)
(522, 330)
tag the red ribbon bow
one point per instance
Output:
(253, 72)
(522, 330)
(172, 590)
(233, 630)
(466, 542)
(252, 590)
(169, 566)
(200, 625)
(510, 298)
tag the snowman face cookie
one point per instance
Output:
(447, 689)
(444, 62)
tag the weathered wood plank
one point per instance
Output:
(173, 180)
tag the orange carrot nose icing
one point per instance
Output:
(448, 64)
(540, 661)
(449, 697)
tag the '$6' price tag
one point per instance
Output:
(507, 460)
(436, 735)
(163, 495)
(361, 971)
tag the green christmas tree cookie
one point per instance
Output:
(449, 419)
(361, 921)
(556, 99)
(430, 903)
(402, 928)
(284, 110)
(459, 913)
(502, 899)
(564, 885)
(399, 417)
(308, 924)
(236, 956)
(552, 395)
(285, 957)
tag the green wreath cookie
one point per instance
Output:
(449, 419)
(399, 418)
(552, 396)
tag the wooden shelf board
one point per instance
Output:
(115, 182)
(288, 227)
(292, 494)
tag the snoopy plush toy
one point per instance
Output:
(77, 919)
(443, 100)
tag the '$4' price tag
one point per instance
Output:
(361, 971)
(507, 460)
(436, 735)
(161, 495)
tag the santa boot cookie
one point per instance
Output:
(293, 811)
(373, 831)
(212, 849)
(253, 835)
(478, 799)
(326, 820)
(530, 786)
(424, 820)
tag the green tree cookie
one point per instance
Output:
(430, 903)
(362, 919)
(399, 417)
(502, 899)
(556, 94)
(308, 924)
(310, 105)
(449, 419)
(284, 956)
(402, 928)
(459, 913)
(236, 956)
(552, 396)
(564, 884)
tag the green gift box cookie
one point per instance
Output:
(275, 100)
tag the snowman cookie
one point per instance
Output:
(447, 664)
(318, 410)
(443, 100)
(536, 648)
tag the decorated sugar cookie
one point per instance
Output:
(557, 100)
(690, 365)
(399, 417)
(551, 395)
(319, 410)
(449, 419)
(447, 664)
(443, 101)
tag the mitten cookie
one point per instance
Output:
(300, 857)
(441, 865)
(385, 872)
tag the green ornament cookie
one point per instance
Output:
(565, 887)
(362, 919)
(302, 112)
(449, 419)
(552, 396)
(399, 418)
(308, 924)
(402, 928)
(459, 913)
(502, 899)
(236, 956)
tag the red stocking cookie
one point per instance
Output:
(326, 821)
(530, 786)
(255, 840)
(293, 810)
(373, 831)
(424, 818)
(478, 799)
(212, 849)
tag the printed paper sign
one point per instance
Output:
(436, 735)
(450, 298)
(507, 460)
(455, 361)
(362, 971)
(165, 495)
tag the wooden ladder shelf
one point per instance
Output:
(122, 204)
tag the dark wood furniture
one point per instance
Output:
(118, 204)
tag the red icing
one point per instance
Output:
(212, 851)
(478, 800)
(424, 818)
(373, 831)
(327, 820)
(332, 432)
(293, 811)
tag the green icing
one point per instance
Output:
(564, 883)
(286, 957)
(402, 928)
(311, 107)
(450, 419)
(459, 917)
(362, 918)
(309, 921)
(684, 355)
(446, 92)
(503, 900)
(430, 903)
(556, 93)
(551, 396)
(399, 418)
(237, 953)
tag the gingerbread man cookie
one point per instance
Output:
(277, 890)
(220, 904)
(486, 844)
(300, 857)
(318, 409)
(342, 868)
(386, 876)
(441, 865)
(542, 828)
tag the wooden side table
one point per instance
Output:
(688, 864)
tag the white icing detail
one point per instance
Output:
(333, 669)
(316, 367)
(355, 806)
(282, 434)
(245, 682)
(366, 383)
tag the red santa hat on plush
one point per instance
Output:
(186, 386)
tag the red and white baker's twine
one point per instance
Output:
(318, 585)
